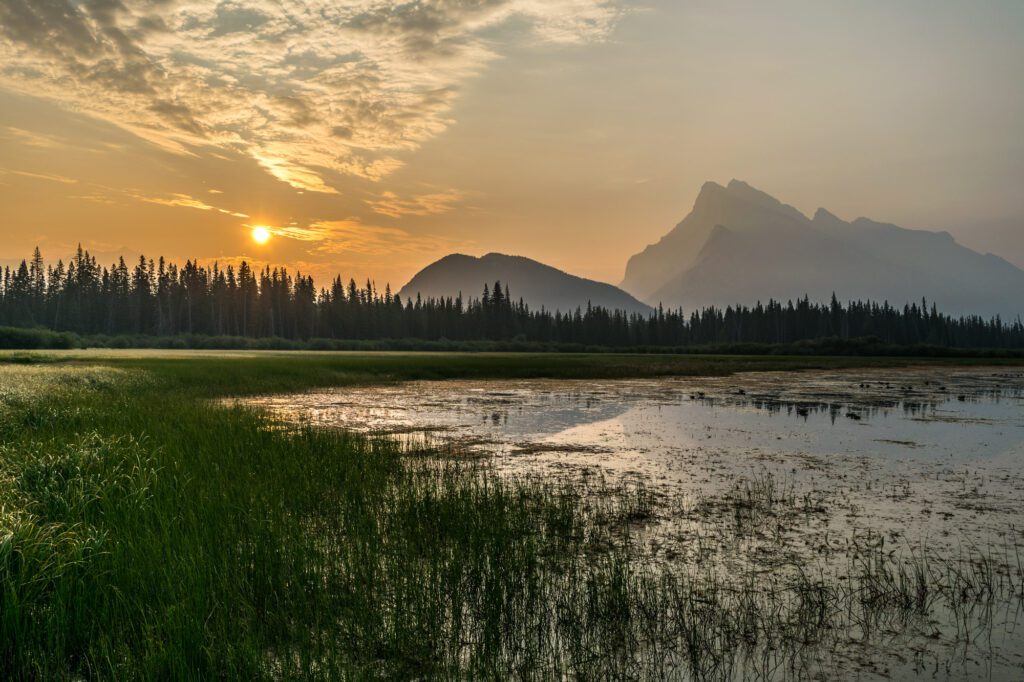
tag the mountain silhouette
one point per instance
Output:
(740, 245)
(539, 285)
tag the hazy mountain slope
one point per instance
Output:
(739, 245)
(739, 207)
(921, 251)
(537, 284)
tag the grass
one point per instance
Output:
(41, 338)
(147, 531)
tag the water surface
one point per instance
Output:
(928, 462)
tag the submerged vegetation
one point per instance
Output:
(150, 530)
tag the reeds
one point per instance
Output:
(146, 532)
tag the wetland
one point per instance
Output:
(183, 515)
(758, 480)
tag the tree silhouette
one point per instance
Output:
(157, 298)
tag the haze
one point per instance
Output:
(372, 138)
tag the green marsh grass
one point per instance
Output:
(149, 530)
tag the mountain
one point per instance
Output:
(740, 245)
(537, 284)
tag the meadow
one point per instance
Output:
(150, 529)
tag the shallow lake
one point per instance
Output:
(929, 461)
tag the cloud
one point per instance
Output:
(391, 205)
(370, 170)
(29, 138)
(39, 176)
(295, 175)
(353, 237)
(95, 198)
(185, 201)
(308, 88)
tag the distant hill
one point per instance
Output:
(740, 245)
(537, 284)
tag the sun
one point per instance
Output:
(260, 234)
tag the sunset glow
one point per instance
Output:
(260, 234)
(379, 136)
(501, 339)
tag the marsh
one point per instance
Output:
(761, 474)
(252, 515)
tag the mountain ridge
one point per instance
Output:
(538, 284)
(739, 245)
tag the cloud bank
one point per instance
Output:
(310, 89)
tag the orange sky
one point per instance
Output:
(373, 137)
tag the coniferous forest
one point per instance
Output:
(161, 299)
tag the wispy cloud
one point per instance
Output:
(31, 139)
(95, 197)
(308, 88)
(390, 204)
(39, 176)
(352, 236)
(102, 194)
(185, 201)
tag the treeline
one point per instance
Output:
(159, 299)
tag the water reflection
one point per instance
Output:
(955, 416)
(924, 460)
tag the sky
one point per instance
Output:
(372, 138)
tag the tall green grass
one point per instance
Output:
(147, 531)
